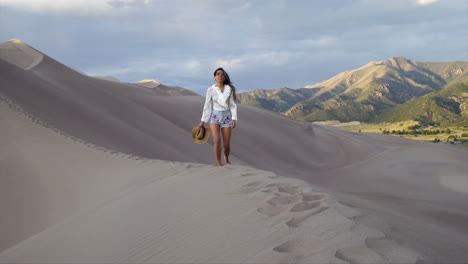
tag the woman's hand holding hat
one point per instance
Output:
(200, 134)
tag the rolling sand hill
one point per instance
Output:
(99, 171)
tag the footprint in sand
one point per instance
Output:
(248, 174)
(189, 166)
(304, 206)
(248, 190)
(284, 188)
(294, 252)
(269, 189)
(270, 210)
(288, 189)
(309, 202)
(358, 255)
(295, 246)
(286, 247)
(311, 197)
(253, 184)
(283, 200)
(298, 220)
(251, 187)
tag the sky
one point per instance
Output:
(262, 44)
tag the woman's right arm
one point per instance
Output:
(207, 108)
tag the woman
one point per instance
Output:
(220, 110)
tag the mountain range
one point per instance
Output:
(381, 91)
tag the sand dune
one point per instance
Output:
(18, 53)
(411, 196)
(83, 204)
(164, 89)
(150, 83)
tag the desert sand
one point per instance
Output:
(94, 171)
(97, 207)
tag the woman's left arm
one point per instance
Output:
(233, 107)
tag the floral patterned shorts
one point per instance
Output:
(222, 118)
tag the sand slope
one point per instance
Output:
(413, 192)
(139, 121)
(99, 207)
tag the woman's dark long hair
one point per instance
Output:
(227, 80)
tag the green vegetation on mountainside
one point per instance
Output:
(414, 90)
(448, 107)
(277, 100)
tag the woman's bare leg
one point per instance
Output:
(216, 142)
(226, 143)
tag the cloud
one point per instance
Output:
(232, 64)
(193, 66)
(262, 44)
(74, 7)
(426, 2)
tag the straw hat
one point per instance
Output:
(200, 134)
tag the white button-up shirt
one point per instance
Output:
(217, 100)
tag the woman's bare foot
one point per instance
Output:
(220, 164)
(227, 160)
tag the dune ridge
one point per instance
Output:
(150, 83)
(20, 54)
